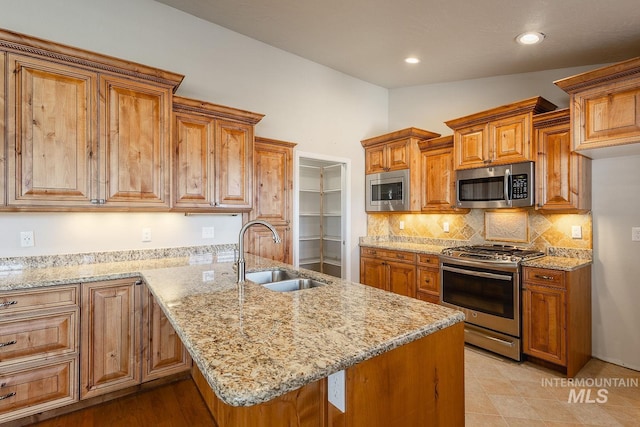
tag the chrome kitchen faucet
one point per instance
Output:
(241, 261)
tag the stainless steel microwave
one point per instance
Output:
(387, 191)
(503, 186)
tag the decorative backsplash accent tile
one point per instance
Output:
(546, 232)
(505, 226)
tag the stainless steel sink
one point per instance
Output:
(282, 280)
(269, 276)
(293, 285)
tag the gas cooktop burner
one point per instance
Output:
(493, 253)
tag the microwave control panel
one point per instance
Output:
(520, 186)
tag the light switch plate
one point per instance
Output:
(576, 232)
(635, 234)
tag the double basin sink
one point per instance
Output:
(282, 280)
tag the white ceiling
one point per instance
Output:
(455, 39)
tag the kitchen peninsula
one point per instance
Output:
(268, 354)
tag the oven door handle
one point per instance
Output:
(477, 273)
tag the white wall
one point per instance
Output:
(616, 267)
(322, 110)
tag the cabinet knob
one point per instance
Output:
(427, 280)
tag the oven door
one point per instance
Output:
(489, 298)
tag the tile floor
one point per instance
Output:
(501, 392)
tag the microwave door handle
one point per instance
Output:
(507, 177)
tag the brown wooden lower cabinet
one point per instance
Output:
(39, 334)
(126, 339)
(401, 272)
(418, 384)
(556, 319)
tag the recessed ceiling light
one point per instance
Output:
(411, 60)
(530, 37)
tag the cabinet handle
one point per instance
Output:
(8, 343)
(542, 276)
(7, 303)
(138, 282)
(427, 280)
(6, 396)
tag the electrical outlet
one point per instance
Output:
(335, 390)
(146, 234)
(26, 239)
(208, 276)
(635, 234)
(445, 227)
(208, 232)
(576, 232)
(401, 225)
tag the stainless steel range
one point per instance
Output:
(484, 282)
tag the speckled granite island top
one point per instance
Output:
(254, 349)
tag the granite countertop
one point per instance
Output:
(558, 263)
(420, 248)
(254, 348)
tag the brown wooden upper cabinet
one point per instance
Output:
(563, 177)
(438, 176)
(84, 129)
(396, 151)
(213, 156)
(605, 109)
(497, 136)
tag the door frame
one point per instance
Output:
(346, 206)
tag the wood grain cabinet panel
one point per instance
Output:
(556, 318)
(234, 165)
(110, 340)
(273, 193)
(497, 136)
(135, 139)
(212, 156)
(52, 133)
(194, 139)
(162, 353)
(393, 271)
(38, 388)
(563, 177)
(605, 109)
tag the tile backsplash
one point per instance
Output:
(545, 232)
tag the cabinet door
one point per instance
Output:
(402, 278)
(607, 117)
(52, 133)
(544, 323)
(260, 242)
(471, 146)
(399, 155)
(135, 142)
(110, 337)
(563, 176)
(437, 180)
(429, 281)
(193, 155)
(163, 352)
(373, 272)
(273, 173)
(510, 139)
(375, 159)
(233, 165)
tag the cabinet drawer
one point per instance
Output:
(29, 391)
(429, 260)
(30, 338)
(34, 299)
(544, 276)
(429, 281)
(434, 299)
(389, 255)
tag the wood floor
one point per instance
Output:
(178, 404)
